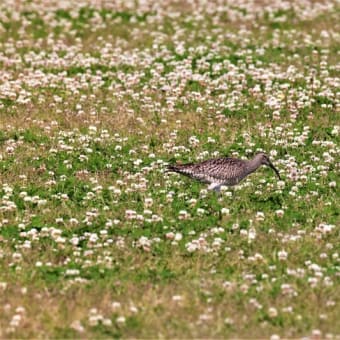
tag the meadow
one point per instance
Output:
(97, 240)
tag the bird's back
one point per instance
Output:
(225, 170)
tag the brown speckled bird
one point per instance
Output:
(222, 171)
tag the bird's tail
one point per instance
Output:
(183, 169)
(172, 168)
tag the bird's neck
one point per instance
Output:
(253, 165)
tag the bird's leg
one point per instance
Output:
(215, 186)
(218, 189)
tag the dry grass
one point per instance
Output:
(88, 149)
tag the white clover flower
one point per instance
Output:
(178, 237)
(183, 215)
(107, 322)
(94, 320)
(282, 255)
(259, 216)
(74, 221)
(144, 243)
(275, 337)
(3, 286)
(200, 211)
(15, 321)
(130, 214)
(148, 202)
(72, 272)
(192, 201)
(244, 232)
(121, 319)
(147, 212)
(17, 257)
(316, 334)
(115, 305)
(177, 298)
(272, 312)
(251, 234)
(324, 228)
(191, 247)
(170, 235)
(77, 326)
(287, 289)
(229, 321)
(225, 211)
(193, 141)
(280, 184)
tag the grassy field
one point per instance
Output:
(96, 98)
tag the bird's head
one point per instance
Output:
(262, 158)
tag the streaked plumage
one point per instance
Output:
(222, 171)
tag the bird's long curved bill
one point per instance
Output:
(276, 171)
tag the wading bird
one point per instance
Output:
(222, 171)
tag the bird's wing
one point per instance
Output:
(221, 169)
(189, 170)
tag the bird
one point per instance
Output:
(225, 171)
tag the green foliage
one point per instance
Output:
(96, 101)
